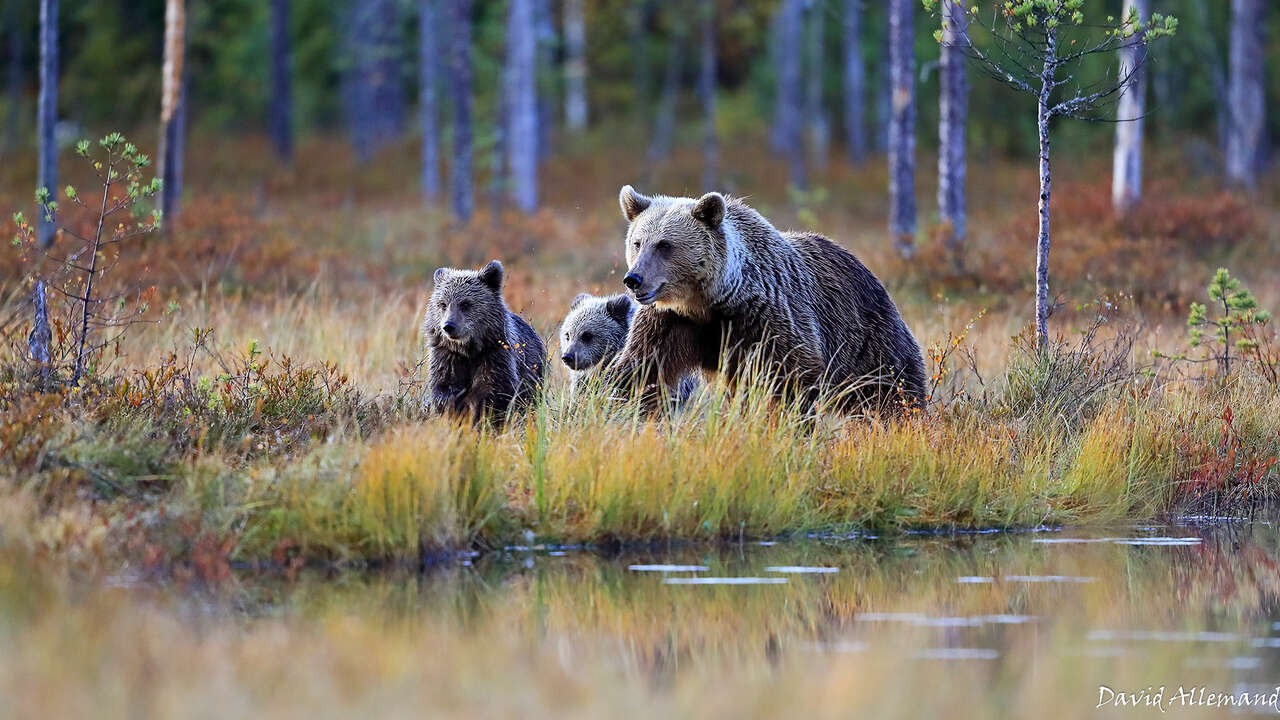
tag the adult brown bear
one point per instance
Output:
(718, 285)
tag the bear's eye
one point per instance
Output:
(663, 245)
(636, 244)
(464, 306)
(586, 337)
(444, 306)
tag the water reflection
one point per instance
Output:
(963, 626)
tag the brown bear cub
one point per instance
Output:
(720, 286)
(592, 334)
(483, 360)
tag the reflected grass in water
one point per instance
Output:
(530, 634)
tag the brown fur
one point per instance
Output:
(719, 283)
(483, 360)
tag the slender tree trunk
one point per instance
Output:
(790, 96)
(855, 83)
(884, 93)
(707, 91)
(819, 128)
(357, 89)
(544, 75)
(1126, 172)
(575, 65)
(1246, 94)
(48, 113)
(172, 108)
(40, 337)
(522, 104)
(902, 128)
(385, 72)
(953, 109)
(1046, 186)
(13, 76)
(428, 112)
(281, 82)
(637, 20)
(665, 120)
(460, 179)
(376, 103)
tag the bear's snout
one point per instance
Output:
(633, 281)
(450, 329)
(569, 360)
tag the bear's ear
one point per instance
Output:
(440, 274)
(632, 202)
(619, 308)
(491, 275)
(709, 210)
(579, 300)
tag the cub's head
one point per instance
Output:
(594, 330)
(680, 251)
(465, 309)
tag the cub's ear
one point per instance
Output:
(632, 202)
(491, 275)
(579, 299)
(619, 308)
(440, 274)
(709, 210)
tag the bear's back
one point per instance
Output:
(863, 332)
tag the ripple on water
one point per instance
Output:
(667, 568)
(800, 569)
(958, 654)
(1173, 636)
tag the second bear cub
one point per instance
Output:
(592, 333)
(483, 360)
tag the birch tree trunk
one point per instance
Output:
(707, 91)
(1245, 91)
(575, 65)
(790, 96)
(47, 113)
(428, 112)
(281, 82)
(855, 83)
(460, 173)
(172, 112)
(1126, 172)
(520, 85)
(902, 128)
(819, 129)
(1046, 186)
(953, 108)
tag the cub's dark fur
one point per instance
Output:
(483, 360)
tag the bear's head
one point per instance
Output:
(466, 308)
(680, 251)
(594, 330)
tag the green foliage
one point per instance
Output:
(1234, 325)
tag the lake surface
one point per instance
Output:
(1048, 623)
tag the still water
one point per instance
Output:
(1178, 619)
